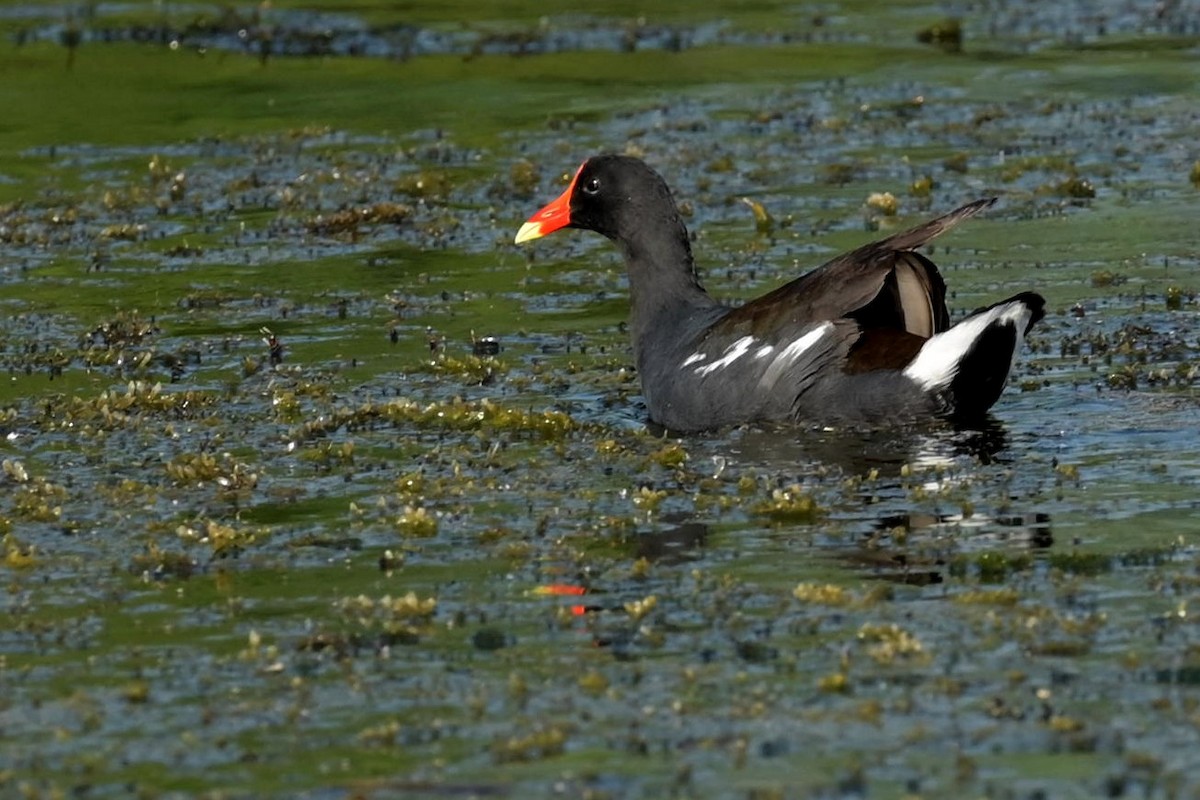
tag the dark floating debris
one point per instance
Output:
(947, 35)
(489, 639)
(274, 347)
(486, 346)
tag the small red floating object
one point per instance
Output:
(564, 590)
(560, 590)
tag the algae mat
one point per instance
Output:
(314, 485)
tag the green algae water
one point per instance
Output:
(314, 485)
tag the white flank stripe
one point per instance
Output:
(793, 350)
(693, 358)
(732, 354)
(937, 363)
(789, 355)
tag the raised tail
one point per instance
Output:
(968, 365)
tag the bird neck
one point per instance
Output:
(664, 289)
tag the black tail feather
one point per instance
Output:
(984, 369)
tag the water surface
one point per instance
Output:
(272, 527)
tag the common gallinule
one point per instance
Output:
(866, 338)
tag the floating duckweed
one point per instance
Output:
(330, 454)
(407, 606)
(648, 499)
(1075, 188)
(1063, 724)
(346, 222)
(888, 643)
(516, 551)
(455, 414)
(17, 555)
(206, 298)
(542, 743)
(921, 187)
(1174, 298)
(723, 163)
(822, 594)
(127, 491)
(124, 329)
(671, 456)
(1068, 471)
(425, 185)
(127, 232)
(183, 250)
(1125, 377)
(159, 169)
(876, 594)
(136, 692)
(593, 682)
(763, 221)
(417, 522)
(834, 683)
(640, 608)
(839, 173)
(285, 404)
(1061, 648)
(608, 447)
(524, 177)
(224, 540)
(114, 409)
(1079, 563)
(411, 483)
(989, 597)
(162, 562)
(193, 468)
(790, 505)
(618, 526)
(39, 500)
(14, 470)
(392, 614)
(471, 369)
(959, 162)
(883, 202)
(383, 735)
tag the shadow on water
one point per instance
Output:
(876, 554)
(857, 451)
(1029, 531)
(675, 545)
(895, 535)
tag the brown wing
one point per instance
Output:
(881, 285)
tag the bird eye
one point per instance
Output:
(592, 186)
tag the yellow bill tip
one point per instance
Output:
(530, 230)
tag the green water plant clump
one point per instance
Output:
(113, 408)
(452, 415)
(402, 617)
(790, 505)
